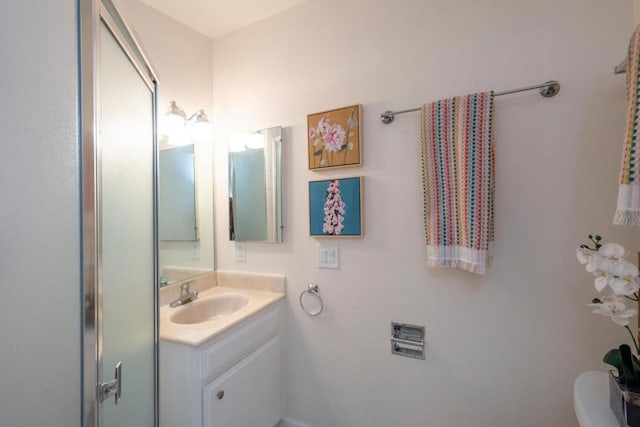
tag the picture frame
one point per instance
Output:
(336, 207)
(334, 138)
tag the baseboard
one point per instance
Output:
(289, 422)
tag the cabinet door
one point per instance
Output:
(249, 394)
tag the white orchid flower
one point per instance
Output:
(612, 307)
(602, 280)
(594, 263)
(611, 250)
(584, 254)
(626, 286)
(622, 268)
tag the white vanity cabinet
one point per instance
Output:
(248, 393)
(232, 380)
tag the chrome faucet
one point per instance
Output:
(186, 295)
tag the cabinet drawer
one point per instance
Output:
(249, 394)
(239, 342)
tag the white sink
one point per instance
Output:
(217, 309)
(206, 309)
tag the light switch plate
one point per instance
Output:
(328, 256)
(241, 253)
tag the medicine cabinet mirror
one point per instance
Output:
(255, 186)
(177, 196)
(185, 210)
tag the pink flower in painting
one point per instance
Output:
(323, 126)
(333, 135)
(334, 138)
(330, 143)
(327, 229)
(333, 210)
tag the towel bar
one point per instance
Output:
(547, 90)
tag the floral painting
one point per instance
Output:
(334, 138)
(335, 207)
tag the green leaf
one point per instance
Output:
(630, 367)
(317, 141)
(613, 358)
(596, 301)
(318, 153)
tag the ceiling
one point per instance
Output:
(214, 18)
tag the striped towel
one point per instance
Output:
(628, 212)
(458, 176)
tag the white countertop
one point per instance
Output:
(591, 400)
(198, 333)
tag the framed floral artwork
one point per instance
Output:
(334, 138)
(335, 207)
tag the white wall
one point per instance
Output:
(182, 59)
(40, 225)
(502, 349)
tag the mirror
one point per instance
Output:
(255, 186)
(185, 210)
(177, 194)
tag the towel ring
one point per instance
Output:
(312, 290)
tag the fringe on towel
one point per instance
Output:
(459, 257)
(458, 167)
(628, 209)
(626, 218)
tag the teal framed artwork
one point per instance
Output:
(335, 207)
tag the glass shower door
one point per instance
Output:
(126, 235)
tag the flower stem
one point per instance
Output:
(635, 343)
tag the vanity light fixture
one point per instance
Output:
(181, 130)
(199, 126)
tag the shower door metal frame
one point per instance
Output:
(90, 15)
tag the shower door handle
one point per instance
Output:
(113, 387)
